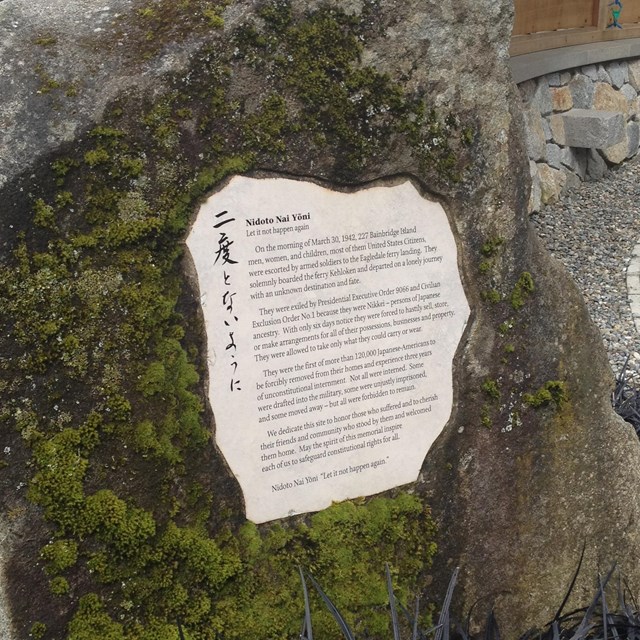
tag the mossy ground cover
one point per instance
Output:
(138, 521)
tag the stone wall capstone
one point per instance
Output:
(590, 113)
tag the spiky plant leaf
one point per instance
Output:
(307, 631)
(442, 632)
(344, 627)
(392, 604)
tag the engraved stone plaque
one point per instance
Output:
(332, 320)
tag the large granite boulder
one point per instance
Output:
(121, 515)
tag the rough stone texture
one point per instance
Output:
(554, 79)
(552, 156)
(556, 122)
(514, 502)
(633, 136)
(535, 135)
(546, 127)
(582, 91)
(596, 166)
(606, 98)
(573, 181)
(590, 71)
(603, 75)
(629, 92)
(617, 153)
(527, 91)
(619, 73)
(98, 73)
(634, 73)
(575, 159)
(552, 182)
(7, 532)
(536, 193)
(541, 99)
(561, 99)
(591, 129)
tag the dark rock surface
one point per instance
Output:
(515, 489)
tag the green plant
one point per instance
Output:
(492, 295)
(47, 82)
(37, 631)
(44, 215)
(59, 586)
(485, 416)
(215, 19)
(91, 621)
(46, 41)
(505, 327)
(491, 388)
(60, 555)
(106, 364)
(523, 288)
(393, 602)
(552, 391)
(96, 156)
(491, 246)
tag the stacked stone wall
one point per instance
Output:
(578, 124)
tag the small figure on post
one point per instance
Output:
(616, 10)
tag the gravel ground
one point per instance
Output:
(593, 231)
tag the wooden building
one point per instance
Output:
(550, 24)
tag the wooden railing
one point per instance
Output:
(549, 24)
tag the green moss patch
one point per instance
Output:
(101, 363)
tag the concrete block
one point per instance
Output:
(582, 91)
(596, 166)
(591, 129)
(633, 286)
(634, 265)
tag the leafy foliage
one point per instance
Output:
(343, 546)
(100, 370)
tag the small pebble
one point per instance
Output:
(593, 230)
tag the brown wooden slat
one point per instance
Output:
(555, 39)
(535, 16)
(630, 11)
